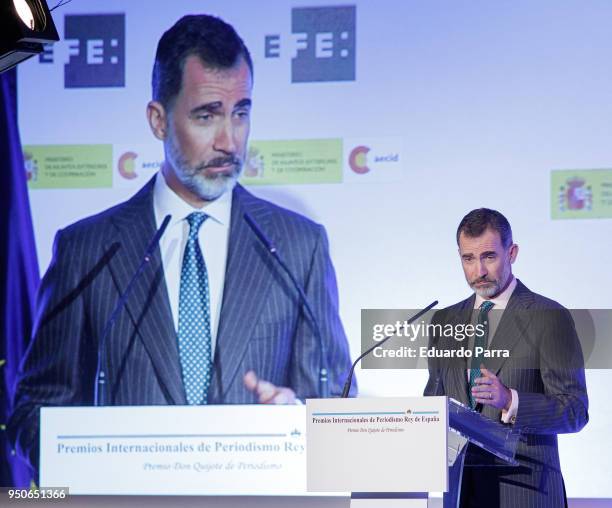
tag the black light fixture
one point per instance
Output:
(24, 27)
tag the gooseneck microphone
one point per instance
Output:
(349, 379)
(100, 379)
(271, 248)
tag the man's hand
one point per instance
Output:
(491, 391)
(267, 392)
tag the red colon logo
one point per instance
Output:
(358, 160)
(126, 165)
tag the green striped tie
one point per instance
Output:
(479, 342)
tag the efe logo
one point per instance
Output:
(324, 44)
(96, 51)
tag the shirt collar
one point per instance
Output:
(501, 300)
(166, 201)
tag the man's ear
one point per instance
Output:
(514, 248)
(158, 119)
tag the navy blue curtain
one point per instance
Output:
(19, 275)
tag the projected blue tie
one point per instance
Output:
(479, 342)
(194, 335)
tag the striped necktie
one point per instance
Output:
(480, 341)
(194, 335)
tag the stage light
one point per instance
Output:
(26, 26)
(25, 13)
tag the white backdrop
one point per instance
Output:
(477, 101)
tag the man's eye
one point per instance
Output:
(204, 116)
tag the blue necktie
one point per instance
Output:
(194, 335)
(479, 342)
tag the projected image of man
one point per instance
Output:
(212, 318)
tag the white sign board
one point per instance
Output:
(377, 445)
(175, 450)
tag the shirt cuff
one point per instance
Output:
(510, 415)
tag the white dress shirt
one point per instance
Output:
(213, 238)
(500, 303)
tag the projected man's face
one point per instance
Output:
(487, 265)
(207, 130)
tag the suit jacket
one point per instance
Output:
(546, 369)
(261, 327)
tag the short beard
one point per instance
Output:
(496, 287)
(487, 292)
(196, 179)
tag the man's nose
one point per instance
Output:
(481, 269)
(225, 139)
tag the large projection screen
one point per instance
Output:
(431, 109)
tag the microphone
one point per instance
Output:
(433, 342)
(271, 248)
(100, 379)
(349, 380)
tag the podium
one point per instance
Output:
(260, 450)
(397, 467)
(468, 426)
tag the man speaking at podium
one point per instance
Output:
(212, 318)
(542, 396)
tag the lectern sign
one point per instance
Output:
(175, 450)
(377, 445)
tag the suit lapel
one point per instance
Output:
(247, 281)
(456, 373)
(510, 330)
(148, 304)
(512, 326)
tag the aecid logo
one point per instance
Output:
(361, 161)
(132, 165)
(126, 165)
(358, 160)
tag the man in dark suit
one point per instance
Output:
(212, 318)
(539, 388)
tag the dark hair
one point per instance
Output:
(214, 41)
(477, 221)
